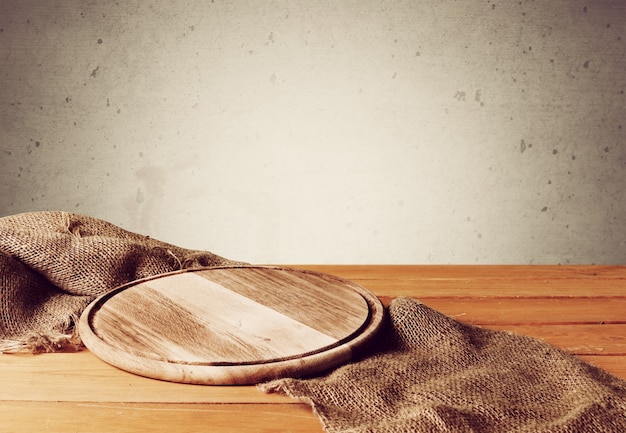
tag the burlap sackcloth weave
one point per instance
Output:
(429, 373)
(434, 374)
(53, 264)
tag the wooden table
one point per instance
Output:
(579, 308)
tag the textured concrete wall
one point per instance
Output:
(324, 131)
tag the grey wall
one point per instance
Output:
(324, 131)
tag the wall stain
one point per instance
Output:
(478, 97)
(523, 146)
(140, 197)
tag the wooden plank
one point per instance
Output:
(82, 376)
(576, 339)
(62, 376)
(615, 365)
(88, 417)
(523, 311)
(425, 289)
(443, 272)
(439, 281)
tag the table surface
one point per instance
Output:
(581, 309)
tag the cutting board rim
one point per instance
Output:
(216, 373)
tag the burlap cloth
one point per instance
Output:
(429, 373)
(53, 264)
(434, 374)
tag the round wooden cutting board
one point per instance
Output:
(231, 325)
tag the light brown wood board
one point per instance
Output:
(232, 325)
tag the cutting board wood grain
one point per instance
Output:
(232, 325)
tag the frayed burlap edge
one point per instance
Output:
(48, 342)
(42, 343)
(278, 388)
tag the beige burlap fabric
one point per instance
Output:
(53, 264)
(437, 375)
